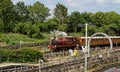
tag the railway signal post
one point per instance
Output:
(85, 50)
(85, 54)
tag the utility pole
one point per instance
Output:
(86, 50)
(86, 36)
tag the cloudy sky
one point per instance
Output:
(80, 5)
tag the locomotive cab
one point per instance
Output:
(53, 41)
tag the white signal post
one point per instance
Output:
(86, 35)
(85, 49)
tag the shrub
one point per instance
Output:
(20, 55)
(29, 55)
(37, 35)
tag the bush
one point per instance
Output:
(37, 35)
(20, 55)
(1, 26)
(29, 55)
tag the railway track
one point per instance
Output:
(61, 54)
(78, 62)
(18, 68)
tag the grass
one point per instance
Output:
(15, 38)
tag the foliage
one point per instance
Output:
(29, 29)
(4, 6)
(37, 35)
(7, 15)
(111, 17)
(20, 55)
(92, 30)
(60, 13)
(74, 19)
(107, 22)
(1, 25)
(86, 17)
(76, 34)
(51, 24)
(38, 12)
(63, 27)
(22, 11)
(14, 38)
(23, 28)
(98, 19)
(33, 20)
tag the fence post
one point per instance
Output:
(78, 62)
(20, 44)
(108, 54)
(26, 68)
(51, 54)
(33, 69)
(63, 53)
(40, 62)
(15, 69)
(21, 68)
(1, 69)
(64, 67)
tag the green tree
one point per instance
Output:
(51, 24)
(22, 11)
(112, 20)
(99, 19)
(7, 15)
(23, 27)
(112, 17)
(1, 25)
(74, 19)
(60, 13)
(38, 12)
(87, 17)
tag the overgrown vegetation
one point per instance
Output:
(20, 55)
(32, 20)
(12, 38)
(16, 38)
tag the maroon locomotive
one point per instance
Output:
(63, 43)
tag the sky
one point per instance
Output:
(79, 5)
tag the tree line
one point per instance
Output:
(32, 20)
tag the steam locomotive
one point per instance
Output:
(67, 42)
